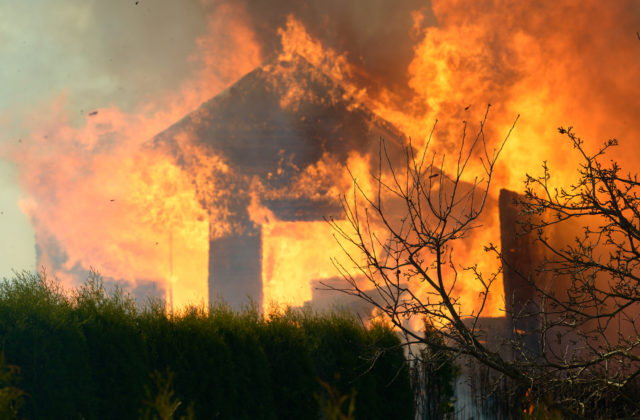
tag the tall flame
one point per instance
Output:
(98, 199)
(98, 195)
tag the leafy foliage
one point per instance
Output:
(11, 397)
(163, 405)
(93, 354)
(333, 404)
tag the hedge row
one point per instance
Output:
(92, 354)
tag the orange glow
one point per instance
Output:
(533, 61)
(523, 59)
(111, 204)
(555, 63)
(99, 197)
(296, 253)
(293, 254)
(296, 41)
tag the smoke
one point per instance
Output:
(144, 64)
(554, 62)
(98, 53)
(119, 74)
(376, 35)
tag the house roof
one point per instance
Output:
(274, 123)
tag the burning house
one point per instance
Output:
(272, 147)
(281, 137)
(229, 201)
(269, 134)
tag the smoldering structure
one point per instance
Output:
(263, 140)
(522, 256)
(281, 137)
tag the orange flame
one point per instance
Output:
(523, 59)
(96, 196)
(555, 63)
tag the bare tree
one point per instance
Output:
(406, 234)
(587, 287)
(585, 306)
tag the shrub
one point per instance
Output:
(92, 354)
(39, 334)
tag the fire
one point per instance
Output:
(523, 59)
(556, 63)
(129, 216)
(163, 199)
(296, 41)
(99, 197)
(290, 258)
(296, 253)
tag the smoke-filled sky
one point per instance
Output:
(126, 52)
(86, 54)
(82, 55)
(144, 63)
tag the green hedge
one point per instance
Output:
(92, 355)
